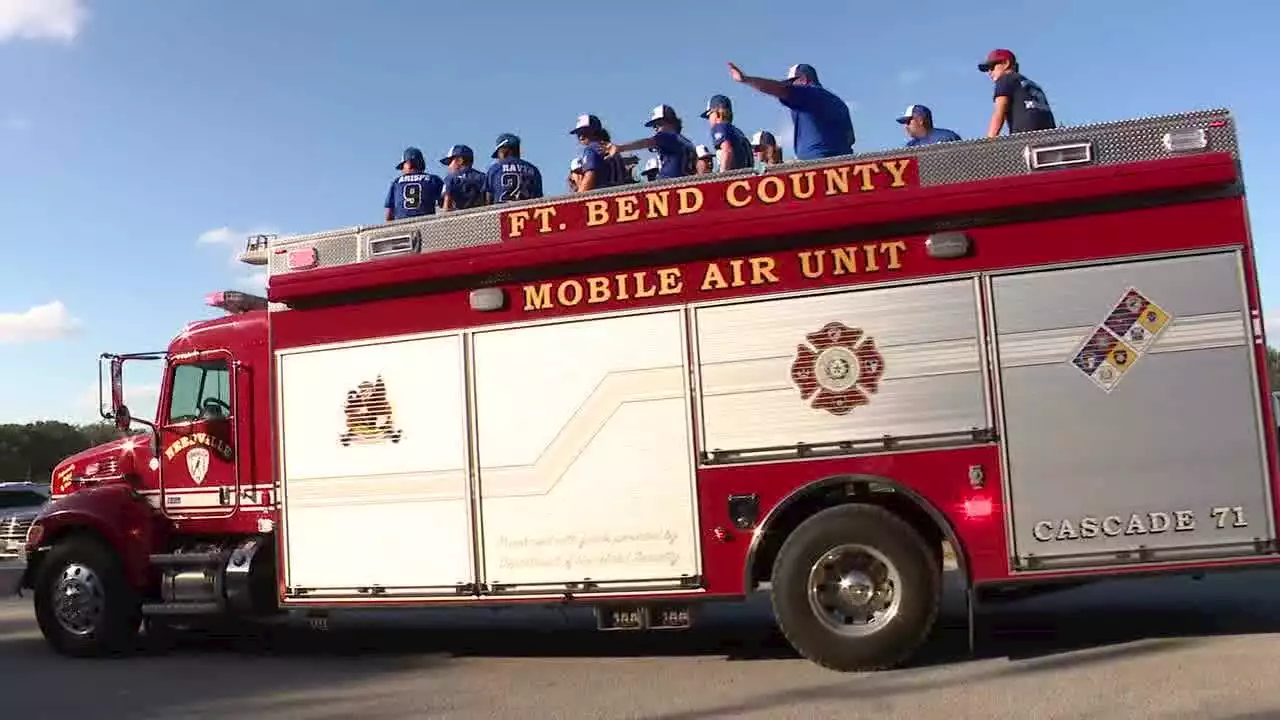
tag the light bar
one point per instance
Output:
(235, 302)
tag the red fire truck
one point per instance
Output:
(1044, 351)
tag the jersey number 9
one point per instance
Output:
(412, 193)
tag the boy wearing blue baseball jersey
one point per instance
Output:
(598, 169)
(512, 178)
(416, 192)
(464, 187)
(676, 154)
(730, 145)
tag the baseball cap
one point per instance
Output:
(802, 70)
(996, 56)
(505, 140)
(763, 137)
(461, 151)
(660, 114)
(575, 164)
(652, 164)
(717, 102)
(587, 122)
(413, 155)
(704, 152)
(915, 111)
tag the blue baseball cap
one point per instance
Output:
(717, 102)
(587, 122)
(662, 113)
(803, 70)
(505, 140)
(461, 151)
(914, 111)
(412, 155)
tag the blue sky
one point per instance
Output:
(140, 140)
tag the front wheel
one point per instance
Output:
(856, 588)
(84, 605)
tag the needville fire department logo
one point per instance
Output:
(369, 415)
(839, 369)
(1117, 343)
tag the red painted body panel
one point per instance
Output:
(611, 241)
(938, 477)
(120, 516)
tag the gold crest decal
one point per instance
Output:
(369, 417)
(839, 369)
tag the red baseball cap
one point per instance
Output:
(995, 57)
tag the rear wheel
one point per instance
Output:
(84, 604)
(856, 588)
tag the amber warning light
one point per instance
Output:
(235, 302)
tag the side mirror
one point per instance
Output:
(117, 383)
(122, 417)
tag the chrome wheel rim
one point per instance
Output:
(854, 590)
(78, 599)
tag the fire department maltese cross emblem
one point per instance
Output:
(838, 370)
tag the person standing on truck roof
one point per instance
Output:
(706, 162)
(918, 120)
(465, 187)
(766, 147)
(575, 174)
(511, 178)
(1019, 102)
(675, 152)
(652, 169)
(416, 192)
(598, 169)
(821, 120)
(731, 146)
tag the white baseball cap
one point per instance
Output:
(662, 113)
(575, 165)
(704, 152)
(652, 164)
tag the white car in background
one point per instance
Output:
(19, 503)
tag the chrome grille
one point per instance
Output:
(13, 535)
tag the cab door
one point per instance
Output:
(198, 470)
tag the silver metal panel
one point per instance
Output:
(940, 164)
(926, 336)
(1169, 458)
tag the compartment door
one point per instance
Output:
(375, 469)
(1131, 413)
(585, 455)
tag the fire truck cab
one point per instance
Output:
(1044, 351)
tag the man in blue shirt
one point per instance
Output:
(598, 169)
(821, 120)
(918, 120)
(464, 187)
(730, 145)
(416, 192)
(512, 178)
(1019, 102)
(676, 155)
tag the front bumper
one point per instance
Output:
(12, 571)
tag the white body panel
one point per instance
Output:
(408, 500)
(585, 453)
(926, 334)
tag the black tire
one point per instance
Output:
(919, 593)
(114, 627)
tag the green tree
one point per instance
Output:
(30, 451)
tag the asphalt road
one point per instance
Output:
(1165, 648)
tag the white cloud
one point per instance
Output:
(50, 321)
(141, 396)
(42, 19)
(244, 278)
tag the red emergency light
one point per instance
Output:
(235, 302)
